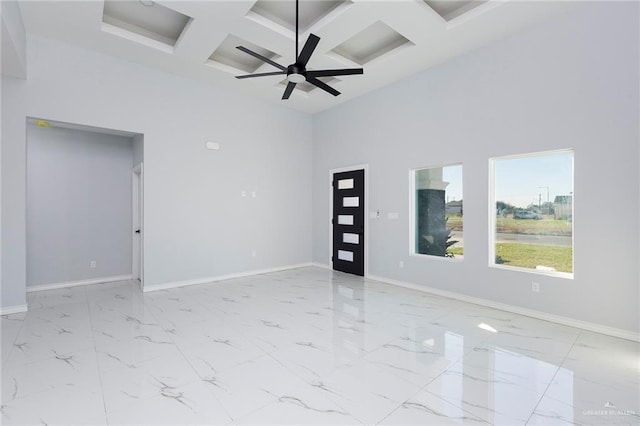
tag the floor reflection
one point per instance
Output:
(348, 319)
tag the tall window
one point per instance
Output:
(532, 218)
(437, 211)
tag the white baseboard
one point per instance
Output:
(321, 265)
(101, 280)
(13, 309)
(176, 284)
(571, 322)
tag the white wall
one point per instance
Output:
(571, 82)
(197, 224)
(13, 193)
(14, 40)
(12, 244)
(78, 205)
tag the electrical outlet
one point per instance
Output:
(535, 287)
(92, 264)
(253, 253)
(401, 264)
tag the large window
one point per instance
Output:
(437, 211)
(532, 218)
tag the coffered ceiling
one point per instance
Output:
(390, 39)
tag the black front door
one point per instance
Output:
(348, 222)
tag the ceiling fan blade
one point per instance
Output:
(322, 85)
(288, 90)
(262, 74)
(331, 73)
(308, 49)
(262, 58)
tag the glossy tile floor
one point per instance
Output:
(305, 346)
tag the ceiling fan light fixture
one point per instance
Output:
(296, 78)
(296, 73)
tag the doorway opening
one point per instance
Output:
(80, 204)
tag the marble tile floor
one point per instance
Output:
(305, 346)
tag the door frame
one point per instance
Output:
(137, 211)
(364, 167)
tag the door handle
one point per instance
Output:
(137, 231)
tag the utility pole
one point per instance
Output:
(548, 205)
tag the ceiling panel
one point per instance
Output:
(283, 13)
(146, 18)
(450, 9)
(227, 54)
(371, 43)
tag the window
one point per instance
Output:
(532, 220)
(437, 211)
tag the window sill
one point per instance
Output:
(555, 274)
(457, 259)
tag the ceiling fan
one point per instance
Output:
(297, 72)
